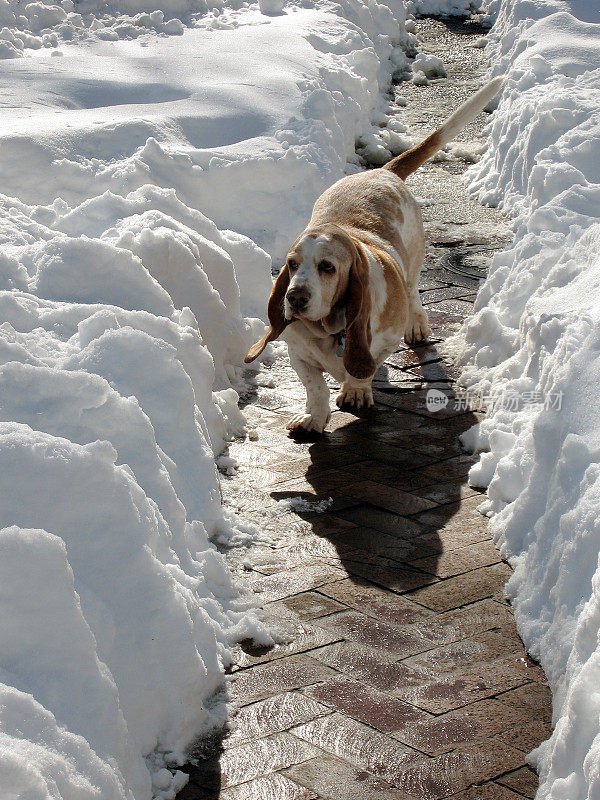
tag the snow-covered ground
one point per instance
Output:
(151, 166)
(532, 349)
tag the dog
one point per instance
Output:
(348, 291)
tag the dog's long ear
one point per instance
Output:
(358, 360)
(277, 320)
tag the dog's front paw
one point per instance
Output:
(358, 397)
(307, 422)
(417, 328)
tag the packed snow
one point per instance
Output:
(155, 158)
(532, 350)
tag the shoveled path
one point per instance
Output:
(401, 675)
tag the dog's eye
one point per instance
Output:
(326, 266)
(292, 265)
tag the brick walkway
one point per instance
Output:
(403, 675)
(400, 675)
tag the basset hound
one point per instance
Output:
(348, 291)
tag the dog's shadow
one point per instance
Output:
(395, 476)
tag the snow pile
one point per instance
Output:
(30, 25)
(270, 115)
(116, 611)
(145, 191)
(532, 349)
(427, 66)
(431, 66)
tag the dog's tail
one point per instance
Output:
(405, 164)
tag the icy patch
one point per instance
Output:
(301, 504)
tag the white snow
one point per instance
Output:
(534, 336)
(155, 158)
(431, 66)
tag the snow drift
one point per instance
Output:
(116, 611)
(535, 337)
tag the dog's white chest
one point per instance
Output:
(324, 352)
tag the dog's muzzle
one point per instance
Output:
(298, 297)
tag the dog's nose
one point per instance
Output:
(298, 297)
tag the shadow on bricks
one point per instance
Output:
(397, 473)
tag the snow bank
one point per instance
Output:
(147, 180)
(33, 25)
(532, 349)
(116, 611)
(36, 25)
(271, 115)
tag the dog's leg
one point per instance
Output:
(317, 397)
(356, 393)
(417, 326)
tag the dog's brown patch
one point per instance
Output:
(396, 291)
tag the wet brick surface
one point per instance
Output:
(398, 672)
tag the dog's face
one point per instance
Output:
(319, 265)
(324, 267)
